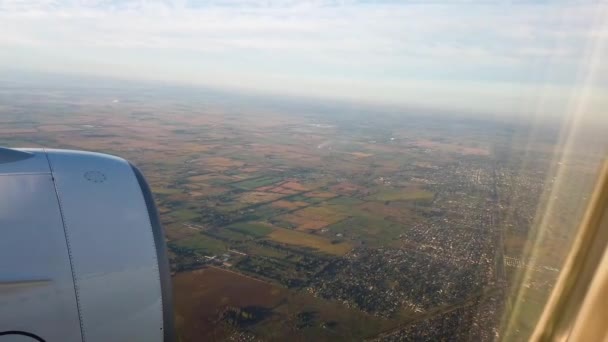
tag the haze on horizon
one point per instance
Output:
(527, 57)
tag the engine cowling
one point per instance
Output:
(82, 252)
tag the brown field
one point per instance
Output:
(291, 237)
(220, 163)
(285, 188)
(204, 293)
(209, 177)
(163, 210)
(211, 190)
(360, 154)
(284, 191)
(250, 169)
(294, 186)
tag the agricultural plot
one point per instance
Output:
(207, 300)
(185, 214)
(254, 229)
(369, 230)
(344, 201)
(251, 184)
(307, 199)
(311, 241)
(204, 293)
(256, 197)
(165, 191)
(289, 205)
(219, 164)
(210, 179)
(230, 236)
(302, 200)
(347, 188)
(314, 218)
(408, 194)
(202, 244)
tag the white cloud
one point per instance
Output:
(384, 49)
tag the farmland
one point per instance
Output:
(313, 222)
(203, 299)
(291, 237)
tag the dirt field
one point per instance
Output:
(200, 296)
(219, 163)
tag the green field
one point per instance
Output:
(346, 201)
(251, 184)
(372, 230)
(185, 214)
(291, 237)
(255, 249)
(203, 244)
(165, 191)
(302, 198)
(254, 229)
(230, 235)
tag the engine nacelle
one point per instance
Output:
(82, 252)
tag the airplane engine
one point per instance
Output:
(82, 252)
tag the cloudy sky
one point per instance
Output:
(471, 55)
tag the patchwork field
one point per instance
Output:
(314, 224)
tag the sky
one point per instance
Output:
(492, 56)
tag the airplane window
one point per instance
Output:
(349, 170)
